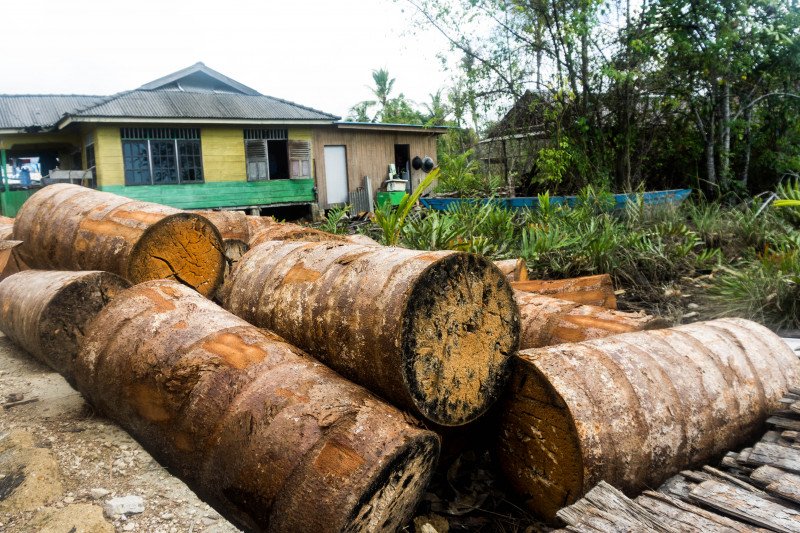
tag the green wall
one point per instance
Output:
(221, 194)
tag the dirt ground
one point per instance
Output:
(61, 464)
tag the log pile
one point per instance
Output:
(589, 290)
(430, 331)
(274, 439)
(634, 408)
(548, 321)
(69, 227)
(757, 489)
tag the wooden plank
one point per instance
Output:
(786, 486)
(690, 518)
(605, 509)
(764, 475)
(782, 457)
(784, 422)
(790, 435)
(591, 290)
(678, 487)
(746, 506)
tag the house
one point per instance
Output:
(197, 139)
(511, 146)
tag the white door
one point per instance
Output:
(336, 174)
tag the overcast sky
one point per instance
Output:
(317, 53)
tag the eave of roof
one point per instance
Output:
(409, 128)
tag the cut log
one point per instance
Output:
(514, 269)
(635, 408)
(10, 262)
(45, 312)
(293, 232)
(6, 228)
(358, 238)
(430, 331)
(275, 440)
(546, 321)
(69, 227)
(746, 506)
(590, 290)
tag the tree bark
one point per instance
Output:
(69, 227)
(636, 408)
(430, 331)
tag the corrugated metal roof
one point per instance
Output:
(200, 105)
(40, 110)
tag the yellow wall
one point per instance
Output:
(108, 156)
(223, 154)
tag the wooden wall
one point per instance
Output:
(369, 153)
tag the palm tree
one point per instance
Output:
(383, 86)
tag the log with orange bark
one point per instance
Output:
(591, 290)
(69, 227)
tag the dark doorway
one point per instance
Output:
(402, 160)
(278, 160)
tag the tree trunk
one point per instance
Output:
(748, 117)
(271, 438)
(46, 312)
(547, 321)
(70, 227)
(725, 152)
(634, 409)
(430, 331)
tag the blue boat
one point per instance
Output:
(673, 196)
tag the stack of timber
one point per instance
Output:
(589, 290)
(635, 408)
(275, 440)
(757, 489)
(430, 331)
(548, 321)
(69, 227)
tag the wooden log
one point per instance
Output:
(69, 227)
(514, 269)
(746, 506)
(293, 232)
(275, 440)
(635, 408)
(45, 312)
(357, 238)
(430, 331)
(6, 228)
(590, 290)
(10, 262)
(546, 321)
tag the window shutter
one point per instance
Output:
(300, 159)
(257, 159)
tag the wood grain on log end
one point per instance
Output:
(459, 329)
(184, 247)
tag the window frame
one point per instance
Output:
(178, 137)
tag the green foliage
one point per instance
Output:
(334, 218)
(392, 221)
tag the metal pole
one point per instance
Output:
(3, 171)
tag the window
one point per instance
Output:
(161, 156)
(270, 155)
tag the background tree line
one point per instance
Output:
(649, 95)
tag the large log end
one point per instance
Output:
(185, 247)
(460, 327)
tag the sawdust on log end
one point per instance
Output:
(393, 495)
(184, 247)
(45, 312)
(458, 332)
